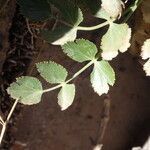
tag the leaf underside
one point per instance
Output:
(28, 90)
(102, 76)
(66, 96)
(117, 38)
(52, 72)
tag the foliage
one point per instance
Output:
(81, 50)
(116, 38)
(68, 17)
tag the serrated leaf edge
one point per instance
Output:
(47, 62)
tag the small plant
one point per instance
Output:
(28, 90)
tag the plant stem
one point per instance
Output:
(7, 120)
(93, 27)
(1, 121)
(131, 10)
(74, 76)
(53, 88)
(83, 28)
(80, 71)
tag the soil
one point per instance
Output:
(45, 126)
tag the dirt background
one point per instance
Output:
(45, 127)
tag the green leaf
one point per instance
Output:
(116, 38)
(52, 72)
(113, 7)
(60, 36)
(27, 90)
(102, 75)
(70, 12)
(73, 17)
(66, 96)
(36, 10)
(81, 50)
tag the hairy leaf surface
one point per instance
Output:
(66, 96)
(116, 38)
(81, 50)
(36, 10)
(102, 76)
(28, 90)
(52, 72)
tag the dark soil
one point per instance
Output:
(45, 127)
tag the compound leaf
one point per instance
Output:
(52, 72)
(28, 90)
(116, 38)
(60, 35)
(102, 76)
(145, 55)
(81, 50)
(66, 96)
(36, 10)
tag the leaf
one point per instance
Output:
(102, 75)
(60, 35)
(81, 50)
(66, 96)
(98, 147)
(103, 15)
(28, 90)
(145, 147)
(112, 7)
(146, 49)
(70, 12)
(134, 6)
(145, 55)
(52, 72)
(36, 10)
(116, 38)
(63, 34)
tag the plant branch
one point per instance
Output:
(1, 120)
(93, 27)
(74, 76)
(131, 10)
(82, 27)
(7, 120)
